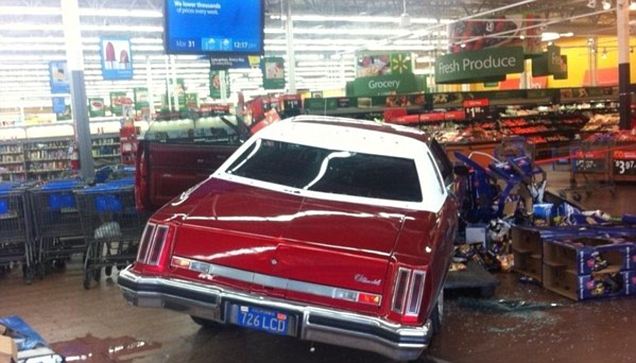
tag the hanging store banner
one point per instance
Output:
(219, 84)
(385, 85)
(380, 64)
(561, 72)
(141, 98)
(59, 77)
(273, 69)
(514, 30)
(191, 101)
(119, 100)
(234, 62)
(550, 63)
(479, 66)
(96, 107)
(116, 58)
(59, 104)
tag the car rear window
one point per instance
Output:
(217, 130)
(329, 171)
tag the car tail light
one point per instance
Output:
(408, 291)
(401, 287)
(152, 244)
(145, 241)
(371, 299)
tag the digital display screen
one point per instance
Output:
(214, 26)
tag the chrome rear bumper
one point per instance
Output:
(314, 323)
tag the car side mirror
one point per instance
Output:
(461, 170)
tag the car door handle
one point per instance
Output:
(200, 161)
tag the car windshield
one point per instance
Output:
(208, 130)
(330, 171)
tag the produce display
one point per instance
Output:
(602, 123)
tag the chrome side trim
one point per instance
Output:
(316, 323)
(274, 281)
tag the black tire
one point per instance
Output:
(97, 274)
(108, 271)
(41, 270)
(437, 316)
(88, 268)
(88, 278)
(59, 264)
(28, 275)
(206, 323)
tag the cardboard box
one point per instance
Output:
(565, 282)
(579, 254)
(8, 350)
(527, 251)
(476, 233)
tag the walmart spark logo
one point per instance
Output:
(400, 63)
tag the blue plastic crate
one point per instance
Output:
(5, 189)
(61, 193)
(108, 195)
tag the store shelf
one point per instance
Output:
(109, 144)
(45, 160)
(11, 153)
(46, 171)
(106, 156)
(49, 148)
(11, 162)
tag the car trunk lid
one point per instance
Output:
(278, 241)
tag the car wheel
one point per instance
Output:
(437, 315)
(206, 323)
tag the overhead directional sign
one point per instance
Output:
(479, 66)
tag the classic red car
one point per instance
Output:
(330, 230)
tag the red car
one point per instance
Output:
(330, 230)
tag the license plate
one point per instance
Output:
(260, 319)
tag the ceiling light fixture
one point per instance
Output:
(405, 18)
(549, 36)
(606, 4)
(356, 19)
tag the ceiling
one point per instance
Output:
(326, 35)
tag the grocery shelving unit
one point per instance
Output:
(12, 161)
(106, 148)
(46, 158)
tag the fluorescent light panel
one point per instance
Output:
(353, 19)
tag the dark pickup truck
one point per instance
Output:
(174, 155)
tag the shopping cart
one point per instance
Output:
(111, 225)
(490, 188)
(591, 169)
(16, 243)
(56, 218)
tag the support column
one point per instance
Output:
(79, 108)
(622, 21)
(592, 61)
(291, 56)
(149, 83)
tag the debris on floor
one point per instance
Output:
(92, 349)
